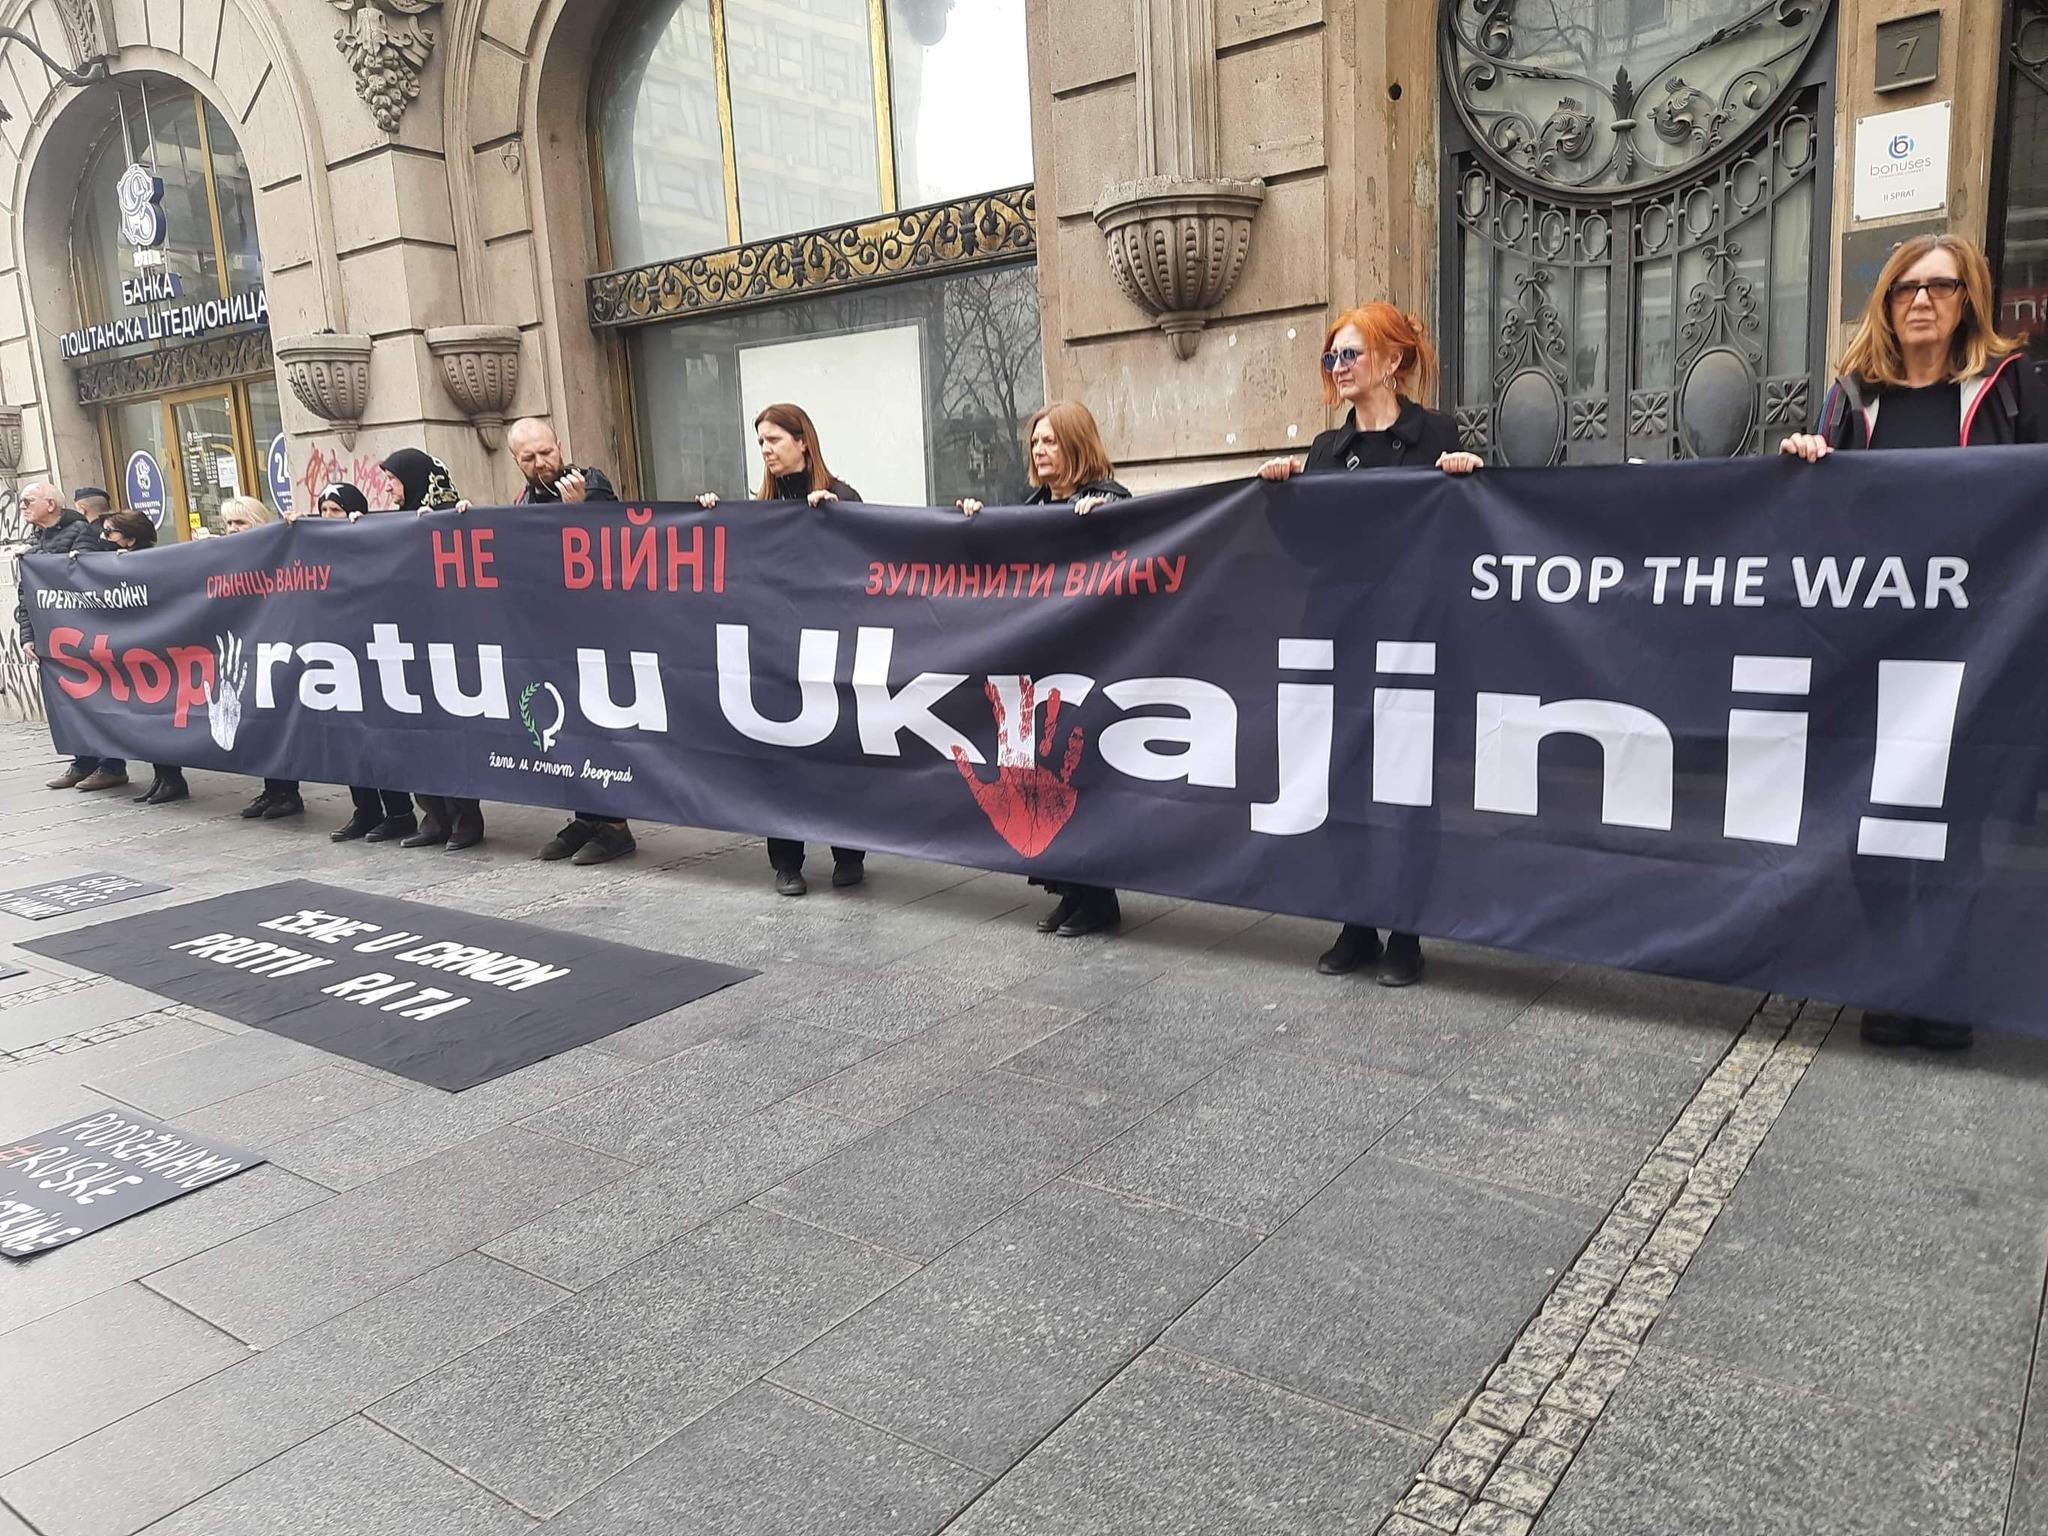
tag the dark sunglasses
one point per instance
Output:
(1903, 292)
(1343, 357)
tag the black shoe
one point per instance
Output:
(432, 834)
(1888, 1028)
(172, 789)
(848, 872)
(790, 882)
(1093, 914)
(258, 808)
(1938, 1035)
(610, 840)
(360, 825)
(284, 806)
(1401, 964)
(568, 842)
(465, 831)
(392, 829)
(1355, 947)
(1056, 919)
(148, 796)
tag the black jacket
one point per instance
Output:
(1421, 437)
(596, 487)
(70, 533)
(2009, 406)
(1039, 495)
(798, 488)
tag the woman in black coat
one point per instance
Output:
(1372, 357)
(381, 815)
(1069, 464)
(424, 485)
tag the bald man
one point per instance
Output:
(54, 529)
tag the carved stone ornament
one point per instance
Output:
(480, 367)
(330, 373)
(387, 45)
(1176, 247)
(10, 442)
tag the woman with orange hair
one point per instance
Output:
(1373, 357)
(1069, 464)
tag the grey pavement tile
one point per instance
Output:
(764, 1463)
(27, 1023)
(1825, 1280)
(1151, 1044)
(1088, 981)
(756, 1000)
(1629, 1010)
(186, 1445)
(548, 1411)
(86, 1366)
(580, 1243)
(354, 1480)
(149, 1242)
(262, 1117)
(662, 1107)
(270, 1284)
(1174, 1447)
(1255, 1140)
(920, 1184)
(2028, 1515)
(1979, 1117)
(12, 1524)
(221, 1069)
(1392, 1293)
(890, 1005)
(891, 1083)
(996, 1342)
(421, 1121)
(1686, 1446)
(1533, 1111)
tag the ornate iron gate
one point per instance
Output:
(1635, 264)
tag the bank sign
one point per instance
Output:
(250, 306)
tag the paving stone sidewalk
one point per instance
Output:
(939, 1224)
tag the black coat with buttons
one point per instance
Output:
(1419, 438)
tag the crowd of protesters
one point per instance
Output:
(1926, 368)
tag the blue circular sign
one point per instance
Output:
(281, 474)
(146, 487)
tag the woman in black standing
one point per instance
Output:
(1069, 464)
(128, 531)
(381, 815)
(793, 469)
(424, 485)
(1372, 357)
(1928, 369)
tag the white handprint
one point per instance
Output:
(224, 702)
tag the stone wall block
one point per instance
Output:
(13, 314)
(1092, 41)
(241, 66)
(495, 85)
(17, 372)
(1274, 99)
(403, 286)
(1246, 21)
(391, 196)
(1094, 147)
(510, 290)
(166, 22)
(498, 173)
(202, 33)
(284, 226)
(131, 24)
(511, 21)
(298, 303)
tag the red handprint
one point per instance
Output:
(1027, 804)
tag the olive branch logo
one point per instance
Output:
(543, 736)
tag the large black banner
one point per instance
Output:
(1759, 722)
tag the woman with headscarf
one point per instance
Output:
(448, 821)
(280, 797)
(793, 469)
(381, 815)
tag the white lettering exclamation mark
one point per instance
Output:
(1916, 727)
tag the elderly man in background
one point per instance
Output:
(54, 529)
(551, 479)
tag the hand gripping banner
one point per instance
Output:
(1759, 722)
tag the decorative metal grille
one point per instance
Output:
(241, 355)
(1602, 302)
(947, 237)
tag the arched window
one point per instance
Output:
(825, 201)
(1635, 224)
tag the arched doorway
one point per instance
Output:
(171, 344)
(1635, 224)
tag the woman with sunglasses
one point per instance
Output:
(1372, 357)
(1928, 369)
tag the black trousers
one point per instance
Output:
(786, 855)
(1066, 888)
(386, 803)
(446, 810)
(600, 821)
(276, 787)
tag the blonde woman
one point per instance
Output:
(280, 797)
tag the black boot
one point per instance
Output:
(360, 825)
(258, 808)
(148, 796)
(1356, 946)
(611, 840)
(568, 842)
(172, 787)
(284, 805)
(393, 829)
(1097, 912)
(1401, 966)
(465, 824)
(1056, 919)
(433, 830)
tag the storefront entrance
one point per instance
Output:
(188, 452)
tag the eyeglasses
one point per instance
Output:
(1937, 288)
(1343, 357)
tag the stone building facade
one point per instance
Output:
(255, 245)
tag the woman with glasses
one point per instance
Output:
(1372, 357)
(1928, 369)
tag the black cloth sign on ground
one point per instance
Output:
(1776, 724)
(445, 998)
(60, 1184)
(80, 893)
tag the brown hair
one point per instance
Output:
(1387, 329)
(796, 421)
(1073, 428)
(1874, 355)
(133, 525)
